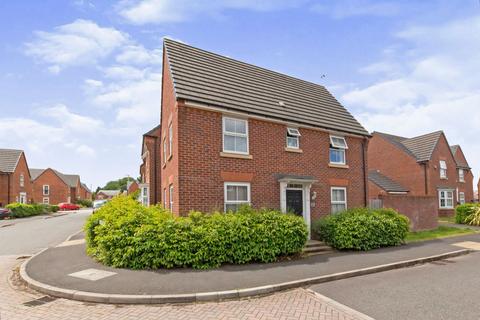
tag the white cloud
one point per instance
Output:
(432, 85)
(123, 72)
(166, 11)
(72, 121)
(351, 8)
(81, 42)
(138, 55)
(85, 150)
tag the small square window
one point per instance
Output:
(338, 142)
(293, 138)
(236, 195)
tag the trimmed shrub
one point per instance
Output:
(363, 229)
(20, 210)
(463, 211)
(125, 234)
(84, 203)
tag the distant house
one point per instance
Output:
(50, 186)
(85, 192)
(15, 183)
(106, 194)
(149, 170)
(132, 186)
(235, 134)
(424, 166)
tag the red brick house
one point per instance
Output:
(15, 183)
(50, 186)
(106, 194)
(232, 133)
(425, 166)
(150, 169)
(85, 192)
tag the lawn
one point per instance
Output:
(440, 232)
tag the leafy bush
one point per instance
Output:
(125, 234)
(20, 210)
(363, 229)
(84, 203)
(135, 195)
(463, 211)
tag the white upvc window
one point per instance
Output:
(338, 199)
(236, 194)
(170, 140)
(235, 135)
(144, 196)
(445, 198)
(443, 169)
(171, 196)
(461, 175)
(22, 180)
(164, 150)
(46, 190)
(46, 200)
(293, 137)
(165, 198)
(461, 197)
(338, 145)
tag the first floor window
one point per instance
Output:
(164, 150)
(293, 136)
(46, 200)
(22, 180)
(338, 145)
(338, 199)
(171, 197)
(446, 199)
(170, 140)
(145, 196)
(235, 135)
(461, 175)
(236, 195)
(443, 169)
(46, 190)
(461, 197)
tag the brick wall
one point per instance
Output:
(59, 191)
(151, 169)
(202, 171)
(421, 210)
(3, 189)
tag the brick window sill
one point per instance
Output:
(293, 150)
(339, 166)
(235, 155)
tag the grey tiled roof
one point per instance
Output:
(212, 79)
(461, 163)
(9, 159)
(69, 179)
(34, 173)
(109, 192)
(385, 182)
(420, 147)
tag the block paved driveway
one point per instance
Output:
(295, 304)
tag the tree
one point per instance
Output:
(120, 184)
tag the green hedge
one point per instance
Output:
(84, 203)
(463, 211)
(20, 210)
(363, 229)
(125, 234)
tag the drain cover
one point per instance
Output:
(39, 301)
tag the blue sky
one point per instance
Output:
(80, 79)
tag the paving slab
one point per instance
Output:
(54, 266)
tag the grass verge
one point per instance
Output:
(440, 232)
(447, 219)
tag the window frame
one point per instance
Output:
(164, 150)
(341, 149)
(336, 146)
(461, 177)
(443, 171)
(293, 133)
(145, 196)
(332, 202)
(170, 140)
(165, 198)
(22, 180)
(43, 190)
(170, 196)
(461, 197)
(446, 191)
(235, 202)
(47, 200)
(234, 134)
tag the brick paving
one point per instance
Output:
(289, 305)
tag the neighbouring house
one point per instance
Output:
(233, 133)
(150, 169)
(433, 176)
(15, 185)
(85, 192)
(51, 186)
(106, 194)
(132, 186)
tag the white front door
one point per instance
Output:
(22, 197)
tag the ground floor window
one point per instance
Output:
(171, 197)
(446, 199)
(144, 196)
(165, 198)
(236, 195)
(338, 199)
(461, 197)
(46, 200)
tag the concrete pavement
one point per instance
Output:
(447, 289)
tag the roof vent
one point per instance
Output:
(281, 103)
